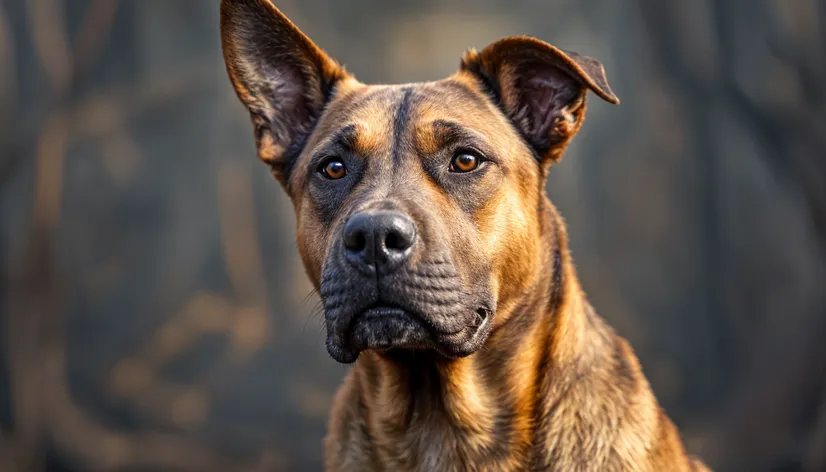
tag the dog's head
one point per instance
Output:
(417, 205)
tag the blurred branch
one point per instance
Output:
(239, 232)
(29, 307)
(8, 94)
(51, 43)
(8, 82)
(35, 297)
(97, 23)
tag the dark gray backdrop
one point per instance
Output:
(155, 314)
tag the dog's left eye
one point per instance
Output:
(333, 169)
(464, 161)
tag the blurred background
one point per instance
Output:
(155, 314)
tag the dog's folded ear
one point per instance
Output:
(282, 77)
(540, 88)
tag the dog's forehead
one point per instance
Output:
(448, 96)
(378, 115)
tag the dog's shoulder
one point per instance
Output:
(600, 408)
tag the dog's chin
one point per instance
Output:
(386, 328)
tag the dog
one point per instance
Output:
(442, 266)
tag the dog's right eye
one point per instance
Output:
(333, 169)
(464, 162)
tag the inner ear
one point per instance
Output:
(549, 105)
(540, 88)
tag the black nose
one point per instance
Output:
(379, 239)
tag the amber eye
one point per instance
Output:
(464, 162)
(333, 169)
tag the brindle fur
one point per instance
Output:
(553, 387)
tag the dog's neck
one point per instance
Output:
(494, 392)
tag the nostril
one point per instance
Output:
(399, 241)
(355, 241)
(400, 234)
(395, 242)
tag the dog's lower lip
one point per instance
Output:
(389, 310)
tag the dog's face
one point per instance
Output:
(417, 205)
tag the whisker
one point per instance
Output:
(309, 295)
(315, 313)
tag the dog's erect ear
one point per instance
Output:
(540, 88)
(282, 77)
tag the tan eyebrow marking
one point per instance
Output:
(354, 137)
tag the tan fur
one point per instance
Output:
(589, 408)
(553, 387)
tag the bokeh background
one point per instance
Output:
(155, 315)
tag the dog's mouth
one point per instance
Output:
(384, 327)
(423, 307)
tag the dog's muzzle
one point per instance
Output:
(376, 297)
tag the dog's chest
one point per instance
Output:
(568, 434)
(434, 443)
